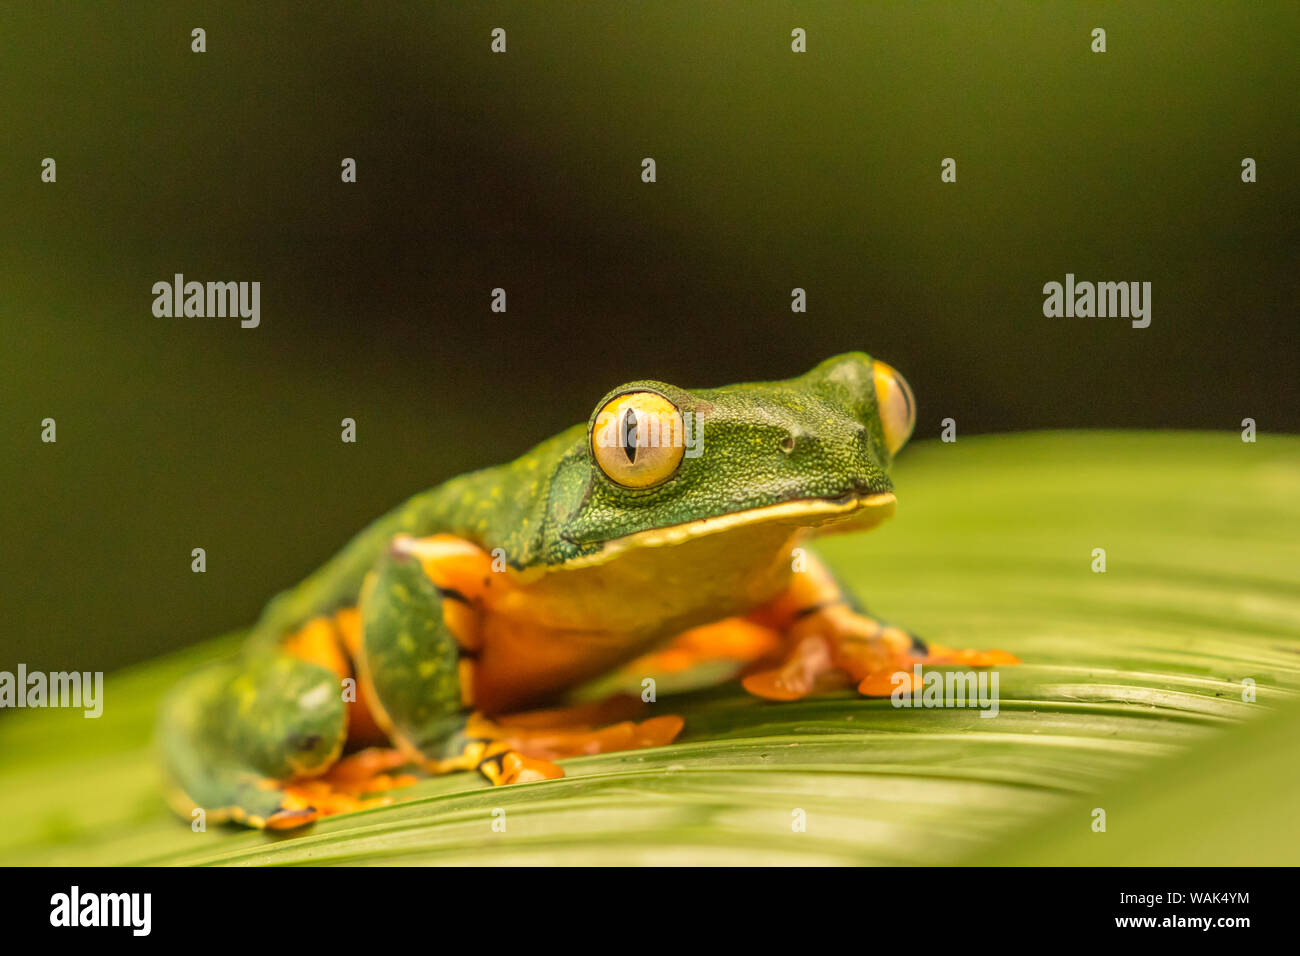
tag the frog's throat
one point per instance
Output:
(854, 513)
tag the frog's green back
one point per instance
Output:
(499, 507)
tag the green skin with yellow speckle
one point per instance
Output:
(410, 659)
(229, 734)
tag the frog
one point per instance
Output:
(674, 525)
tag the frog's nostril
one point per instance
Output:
(795, 439)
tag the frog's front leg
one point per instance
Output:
(828, 637)
(419, 634)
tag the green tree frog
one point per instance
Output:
(673, 523)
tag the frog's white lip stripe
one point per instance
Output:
(806, 512)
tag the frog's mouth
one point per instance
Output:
(852, 512)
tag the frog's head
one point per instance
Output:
(662, 465)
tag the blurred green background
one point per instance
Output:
(522, 170)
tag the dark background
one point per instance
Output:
(776, 170)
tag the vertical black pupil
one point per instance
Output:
(629, 435)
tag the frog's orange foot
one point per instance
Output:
(809, 669)
(294, 812)
(514, 767)
(520, 748)
(831, 645)
(969, 658)
(577, 741)
(835, 645)
(349, 785)
(905, 678)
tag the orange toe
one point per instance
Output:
(327, 801)
(516, 768)
(886, 683)
(288, 819)
(969, 657)
(585, 741)
(774, 685)
(810, 667)
(658, 731)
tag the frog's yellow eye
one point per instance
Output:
(897, 406)
(637, 439)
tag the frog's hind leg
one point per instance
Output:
(233, 737)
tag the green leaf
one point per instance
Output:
(1130, 698)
